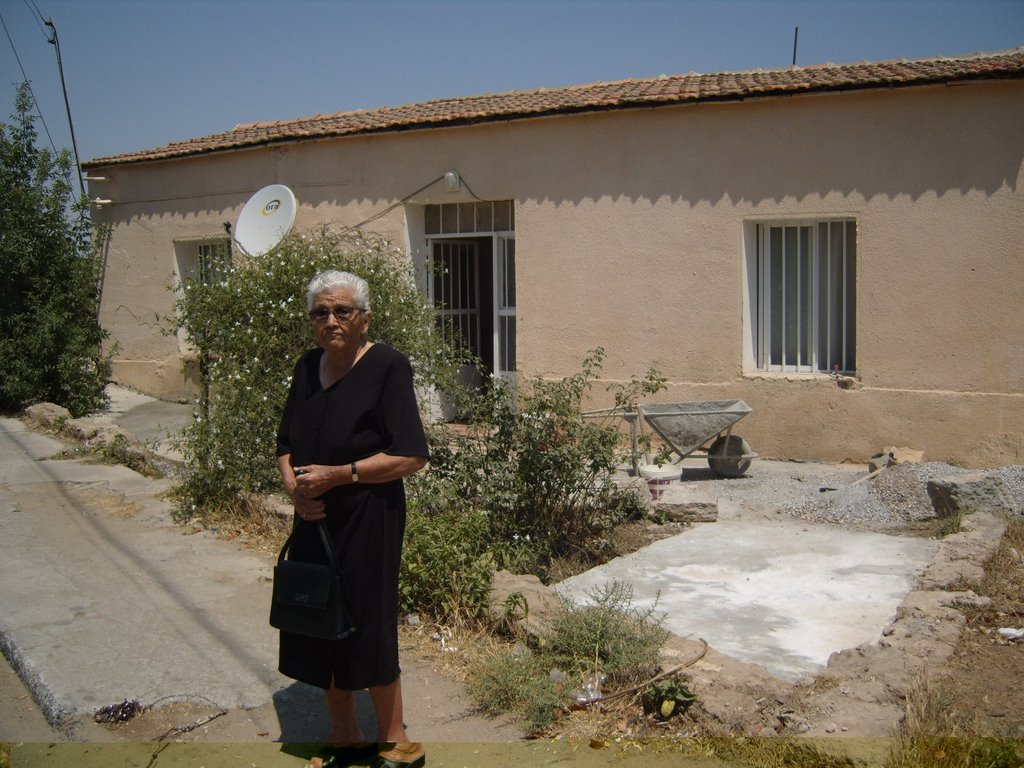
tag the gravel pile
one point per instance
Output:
(895, 498)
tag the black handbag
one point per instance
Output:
(309, 598)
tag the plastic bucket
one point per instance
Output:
(659, 478)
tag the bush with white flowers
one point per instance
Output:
(249, 327)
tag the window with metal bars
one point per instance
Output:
(204, 261)
(806, 296)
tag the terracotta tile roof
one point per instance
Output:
(624, 94)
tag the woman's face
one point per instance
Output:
(342, 328)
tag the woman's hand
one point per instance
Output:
(314, 480)
(309, 509)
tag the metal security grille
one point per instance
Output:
(806, 296)
(213, 261)
(457, 292)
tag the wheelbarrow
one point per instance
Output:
(690, 427)
(702, 428)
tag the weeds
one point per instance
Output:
(774, 753)
(119, 450)
(505, 683)
(250, 518)
(938, 730)
(609, 635)
(607, 641)
(1004, 571)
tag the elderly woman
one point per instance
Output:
(349, 433)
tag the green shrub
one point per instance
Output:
(251, 326)
(446, 563)
(540, 472)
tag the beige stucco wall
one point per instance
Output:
(632, 233)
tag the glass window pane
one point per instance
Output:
(432, 219)
(836, 301)
(822, 295)
(775, 287)
(502, 216)
(850, 319)
(806, 327)
(484, 217)
(449, 218)
(508, 297)
(790, 296)
(467, 217)
(508, 344)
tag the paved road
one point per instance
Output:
(103, 599)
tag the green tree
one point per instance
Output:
(50, 336)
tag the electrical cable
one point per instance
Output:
(34, 10)
(411, 195)
(474, 194)
(391, 207)
(28, 82)
(67, 106)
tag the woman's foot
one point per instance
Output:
(401, 755)
(338, 755)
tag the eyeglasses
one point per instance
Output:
(342, 312)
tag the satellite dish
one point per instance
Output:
(265, 219)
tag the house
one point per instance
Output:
(841, 246)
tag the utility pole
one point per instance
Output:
(67, 107)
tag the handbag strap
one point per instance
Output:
(332, 561)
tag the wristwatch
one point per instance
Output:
(355, 474)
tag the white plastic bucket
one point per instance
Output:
(659, 478)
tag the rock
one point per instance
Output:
(970, 599)
(970, 493)
(687, 504)
(48, 414)
(688, 511)
(794, 723)
(902, 455)
(541, 601)
(880, 461)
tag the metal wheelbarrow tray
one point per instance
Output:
(689, 427)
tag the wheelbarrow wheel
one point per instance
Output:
(725, 457)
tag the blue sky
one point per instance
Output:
(142, 73)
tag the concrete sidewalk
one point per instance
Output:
(103, 598)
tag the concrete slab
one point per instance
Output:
(777, 592)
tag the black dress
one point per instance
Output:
(369, 410)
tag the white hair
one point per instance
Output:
(330, 279)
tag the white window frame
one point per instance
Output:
(503, 266)
(807, 325)
(505, 305)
